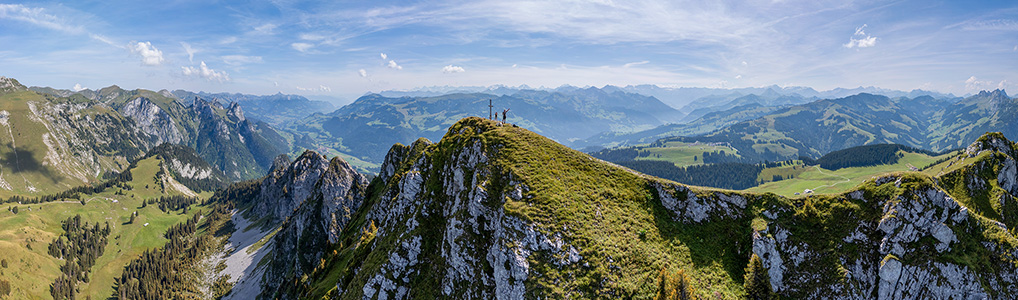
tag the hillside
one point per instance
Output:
(968, 119)
(501, 212)
(138, 206)
(49, 144)
(367, 128)
(707, 123)
(222, 135)
(823, 126)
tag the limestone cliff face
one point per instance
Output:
(903, 254)
(153, 120)
(283, 190)
(336, 192)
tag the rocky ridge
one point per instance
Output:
(499, 212)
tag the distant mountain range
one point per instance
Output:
(369, 126)
(823, 126)
(676, 97)
(273, 109)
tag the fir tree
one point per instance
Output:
(757, 282)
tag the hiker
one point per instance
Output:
(504, 112)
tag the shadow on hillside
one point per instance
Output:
(23, 161)
(723, 242)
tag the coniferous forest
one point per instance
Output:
(78, 246)
(171, 272)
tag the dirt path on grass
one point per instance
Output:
(846, 179)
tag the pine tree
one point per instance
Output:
(757, 281)
(674, 287)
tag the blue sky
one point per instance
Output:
(347, 48)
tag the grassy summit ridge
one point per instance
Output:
(440, 216)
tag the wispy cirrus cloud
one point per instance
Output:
(38, 16)
(302, 47)
(189, 50)
(236, 60)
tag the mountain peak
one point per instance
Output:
(998, 93)
(10, 85)
(992, 141)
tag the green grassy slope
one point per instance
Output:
(32, 270)
(823, 181)
(61, 144)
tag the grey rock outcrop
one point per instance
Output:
(283, 190)
(332, 197)
(153, 120)
(889, 263)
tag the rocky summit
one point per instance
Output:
(494, 211)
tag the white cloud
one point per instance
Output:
(267, 28)
(384, 56)
(311, 37)
(362, 72)
(744, 63)
(320, 88)
(302, 47)
(974, 84)
(515, 65)
(235, 60)
(78, 87)
(863, 41)
(203, 71)
(453, 69)
(190, 51)
(636, 64)
(1015, 48)
(738, 76)
(392, 65)
(149, 54)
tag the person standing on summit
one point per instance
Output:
(504, 112)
